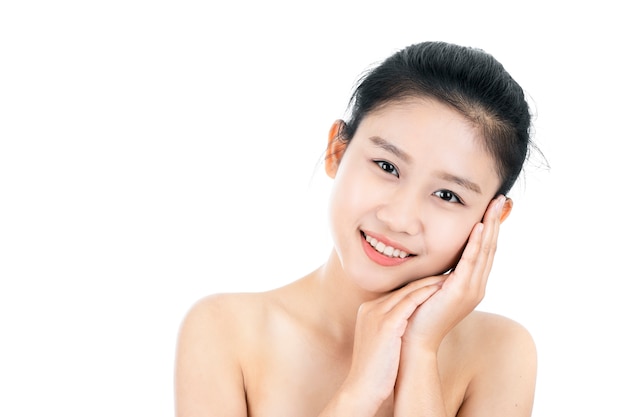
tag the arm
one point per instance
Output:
(376, 352)
(419, 389)
(208, 379)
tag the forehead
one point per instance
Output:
(423, 115)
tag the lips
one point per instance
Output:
(383, 254)
(385, 249)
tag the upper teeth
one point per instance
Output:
(384, 249)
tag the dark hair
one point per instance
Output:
(469, 80)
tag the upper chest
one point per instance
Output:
(291, 369)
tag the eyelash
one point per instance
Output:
(448, 194)
(389, 168)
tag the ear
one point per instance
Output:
(335, 149)
(506, 209)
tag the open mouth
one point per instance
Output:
(386, 250)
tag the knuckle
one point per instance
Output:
(365, 308)
(481, 295)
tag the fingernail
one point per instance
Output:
(500, 203)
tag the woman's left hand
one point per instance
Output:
(463, 289)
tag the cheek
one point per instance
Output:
(351, 194)
(345, 200)
(449, 240)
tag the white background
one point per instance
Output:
(153, 152)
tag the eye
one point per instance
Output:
(448, 196)
(388, 167)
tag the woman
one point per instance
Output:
(437, 135)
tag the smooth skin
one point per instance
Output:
(356, 338)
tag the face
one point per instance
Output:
(407, 191)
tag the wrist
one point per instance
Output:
(416, 356)
(418, 347)
(348, 403)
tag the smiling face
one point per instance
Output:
(408, 190)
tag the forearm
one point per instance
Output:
(418, 391)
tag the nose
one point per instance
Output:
(402, 213)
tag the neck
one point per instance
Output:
(338, 298)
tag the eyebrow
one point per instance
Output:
(390, 147)
(463, 182)
(446, 176)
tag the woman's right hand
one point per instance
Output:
(380, 325)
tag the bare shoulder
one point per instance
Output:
(493, 331)
(504, 360)
(223, 322)
(492, 337)
(223, 310)
(208, 377)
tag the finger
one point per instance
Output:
(405, 308)
(390, 300)
(471, 253)
(478, 255)
(489, 241)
